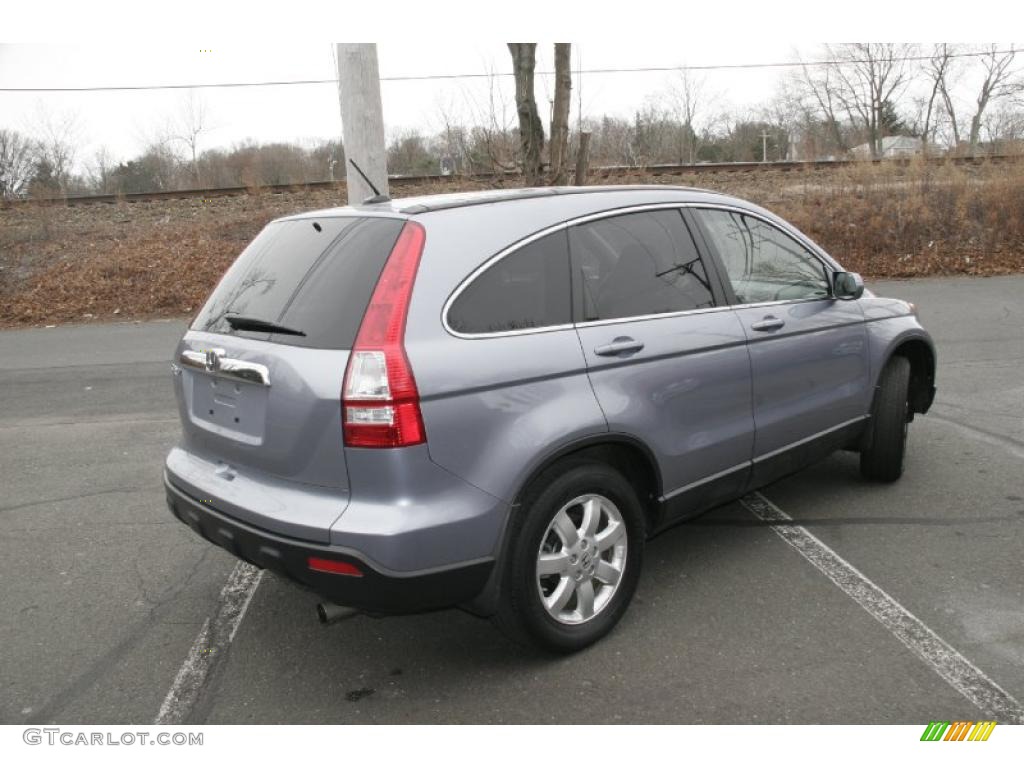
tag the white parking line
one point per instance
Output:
(947, 662)
(211, 642)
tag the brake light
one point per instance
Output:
(380, 405)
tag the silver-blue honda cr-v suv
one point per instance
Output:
(492, 400)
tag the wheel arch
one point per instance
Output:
(628, 454)
(920, 353)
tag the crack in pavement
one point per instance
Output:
(92, 524)
(43, 423)
(1011, 444)
(110, 659)
(76, 497)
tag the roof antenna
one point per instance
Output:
(377, 196)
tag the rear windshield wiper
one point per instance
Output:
(244, 323)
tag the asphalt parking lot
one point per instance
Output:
(104, 593)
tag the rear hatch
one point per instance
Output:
(261, 370)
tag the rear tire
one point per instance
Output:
(574, 557)
(882, 461)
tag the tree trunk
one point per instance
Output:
(975, 135)
(531, 129)
(559, 148)
(975, 132)
(875, 128)
(582, 158)
(195, 166)
(951, 113)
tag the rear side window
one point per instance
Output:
(527, 289)
(637, 264)
(313, 275)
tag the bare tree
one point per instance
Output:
(454, 140)
(100, 171)
(947, 80)
(1004, 125)
(783, 116)
(488, 141)
(408, 153)
(559, 147)
(998, 82)
(820, 84)
(191, 123)
(57, 140)
(795, 116)
(531, 130)
(494, 128)
(688, 99)
(611, 140)
(17, 163)
(938, 69)
(867, 78)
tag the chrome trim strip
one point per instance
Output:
(227, 367)
(499, 334)
(815, 436)
(638, 318)
(795, 234)
(716, 476)
(747, 464)
(193, 359)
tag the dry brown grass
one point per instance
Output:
(133, 260)
(918, 220)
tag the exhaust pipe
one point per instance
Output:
(329, 613)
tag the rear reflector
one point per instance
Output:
(333, 566)
(380, 403)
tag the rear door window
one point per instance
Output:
(313, 275)
(527, 289)
(637, 264)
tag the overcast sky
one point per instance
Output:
(126, 121)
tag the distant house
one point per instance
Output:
(892, 146)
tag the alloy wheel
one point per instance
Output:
(581, 559)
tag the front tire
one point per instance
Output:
(882, 461)
(574, 558)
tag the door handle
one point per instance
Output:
(770, 323)
(619, 346)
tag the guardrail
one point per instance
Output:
(597, 174)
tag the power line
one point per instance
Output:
(476, 75)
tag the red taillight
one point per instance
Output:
(380, 405)
(333, 566)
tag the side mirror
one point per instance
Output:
(847, 285)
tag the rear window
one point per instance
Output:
(313, 275)
(526, 289)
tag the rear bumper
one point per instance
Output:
(376, 591)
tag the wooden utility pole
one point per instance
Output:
(362, 120)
